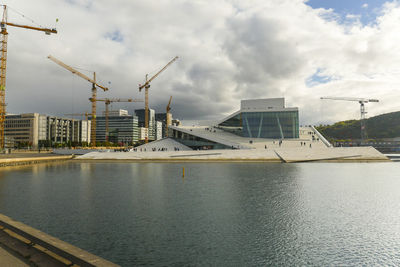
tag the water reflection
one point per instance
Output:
(220, 214)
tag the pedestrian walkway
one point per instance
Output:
(9, 260)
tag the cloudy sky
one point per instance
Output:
(228, 50)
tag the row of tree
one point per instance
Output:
(378, 127)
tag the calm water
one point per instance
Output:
(221, 214)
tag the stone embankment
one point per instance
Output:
(22, 245)
(26, 159)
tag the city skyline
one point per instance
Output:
(228, 51)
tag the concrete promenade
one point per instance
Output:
(12, 260)
(29, 158)
(283, 154)
(308, 147)
(22, 245)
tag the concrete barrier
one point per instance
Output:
(321, 137)
(25, 161)
(68, 151)
(35, 246)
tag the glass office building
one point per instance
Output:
(257, 118)
(121, 129)
(140, 113)
(266, 124)
(263, 118)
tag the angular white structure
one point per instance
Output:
(257, 119)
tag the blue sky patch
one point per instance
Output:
(115, 36)
(317, 78)
(366, 10)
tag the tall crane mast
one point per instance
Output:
(146, 85)
(168, 116)
(3, 66)
(108, 101)
(92, 99)
(362, 102)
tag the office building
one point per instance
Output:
(33, 129)
(257, 119)
(143, 133)
(159, 130)
(122, 127)
(162, 117)
(152, 122)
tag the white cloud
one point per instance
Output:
(365, 5)
(229, 50)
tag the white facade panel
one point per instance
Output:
(159, 126)
(262, 104)
(143, 133)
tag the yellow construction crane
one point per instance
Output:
(362, 102)
(86, 114)
(3, 39)
(92, 99)
(108, 101)
(168, 117)
(146, 85)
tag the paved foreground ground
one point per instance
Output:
(9, 260)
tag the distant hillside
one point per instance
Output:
(381, 126)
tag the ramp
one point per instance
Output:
(307, 154)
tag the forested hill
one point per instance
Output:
(382, 126)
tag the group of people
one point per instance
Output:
(154, 149)
(159, 149)
(135, 149)
(304, 144)
(120, 150)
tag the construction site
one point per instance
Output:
(262, 130)
(109, 176)
(113, 128)
(257, 126)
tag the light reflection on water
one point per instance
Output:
(219, 214)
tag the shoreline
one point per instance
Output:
(37, 248)
(7, 162)
(284, 156)
(226, 160)
(288, 155)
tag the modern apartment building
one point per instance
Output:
(143, 133)
(164, 119)
(62, 130)
(36, 129)
(152, 121)
(24, 128)
(159, 130)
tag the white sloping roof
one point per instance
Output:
(228, 117)
(166, 143)
(215, 135)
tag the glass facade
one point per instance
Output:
(276, 125)
(233, 125)
(121, 129)
(195, 142)
(140, 113)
